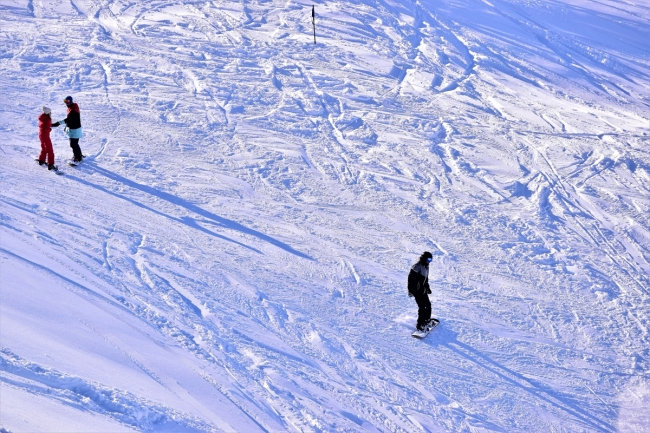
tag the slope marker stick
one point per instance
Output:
(313, 20)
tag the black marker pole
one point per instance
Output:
(313, 20)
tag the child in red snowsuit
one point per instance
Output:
(44, 128)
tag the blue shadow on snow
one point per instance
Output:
(448, 338)
(188, 221)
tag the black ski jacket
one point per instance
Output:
(73, 121)
(418, 280)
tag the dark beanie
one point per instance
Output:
(425, 255)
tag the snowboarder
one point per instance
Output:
(72, 128)
(418, 287)
(44, 128)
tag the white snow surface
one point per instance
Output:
(232, 254)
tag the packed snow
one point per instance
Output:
(232, 254)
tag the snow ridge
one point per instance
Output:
(93, 397)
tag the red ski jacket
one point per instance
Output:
(44, 125)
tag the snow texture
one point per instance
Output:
(232, 254)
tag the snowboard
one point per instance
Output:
(73, 163)
(59, 172)
(430, 327)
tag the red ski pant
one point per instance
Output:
(46, 149)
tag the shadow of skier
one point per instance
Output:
(188, 221)
(446, 337)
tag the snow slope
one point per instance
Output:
(232, 254)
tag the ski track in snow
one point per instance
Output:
(232, 254)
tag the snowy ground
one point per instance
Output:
(232, 255)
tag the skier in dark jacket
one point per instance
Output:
(418, 286)
(47, 152)
(72, 127)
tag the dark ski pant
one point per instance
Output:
(76, 150)
(46, 150)
(424, 309)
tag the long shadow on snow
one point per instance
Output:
(447, 338)
(190, 222)
(183, 220)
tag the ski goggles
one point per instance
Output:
(429, 259)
